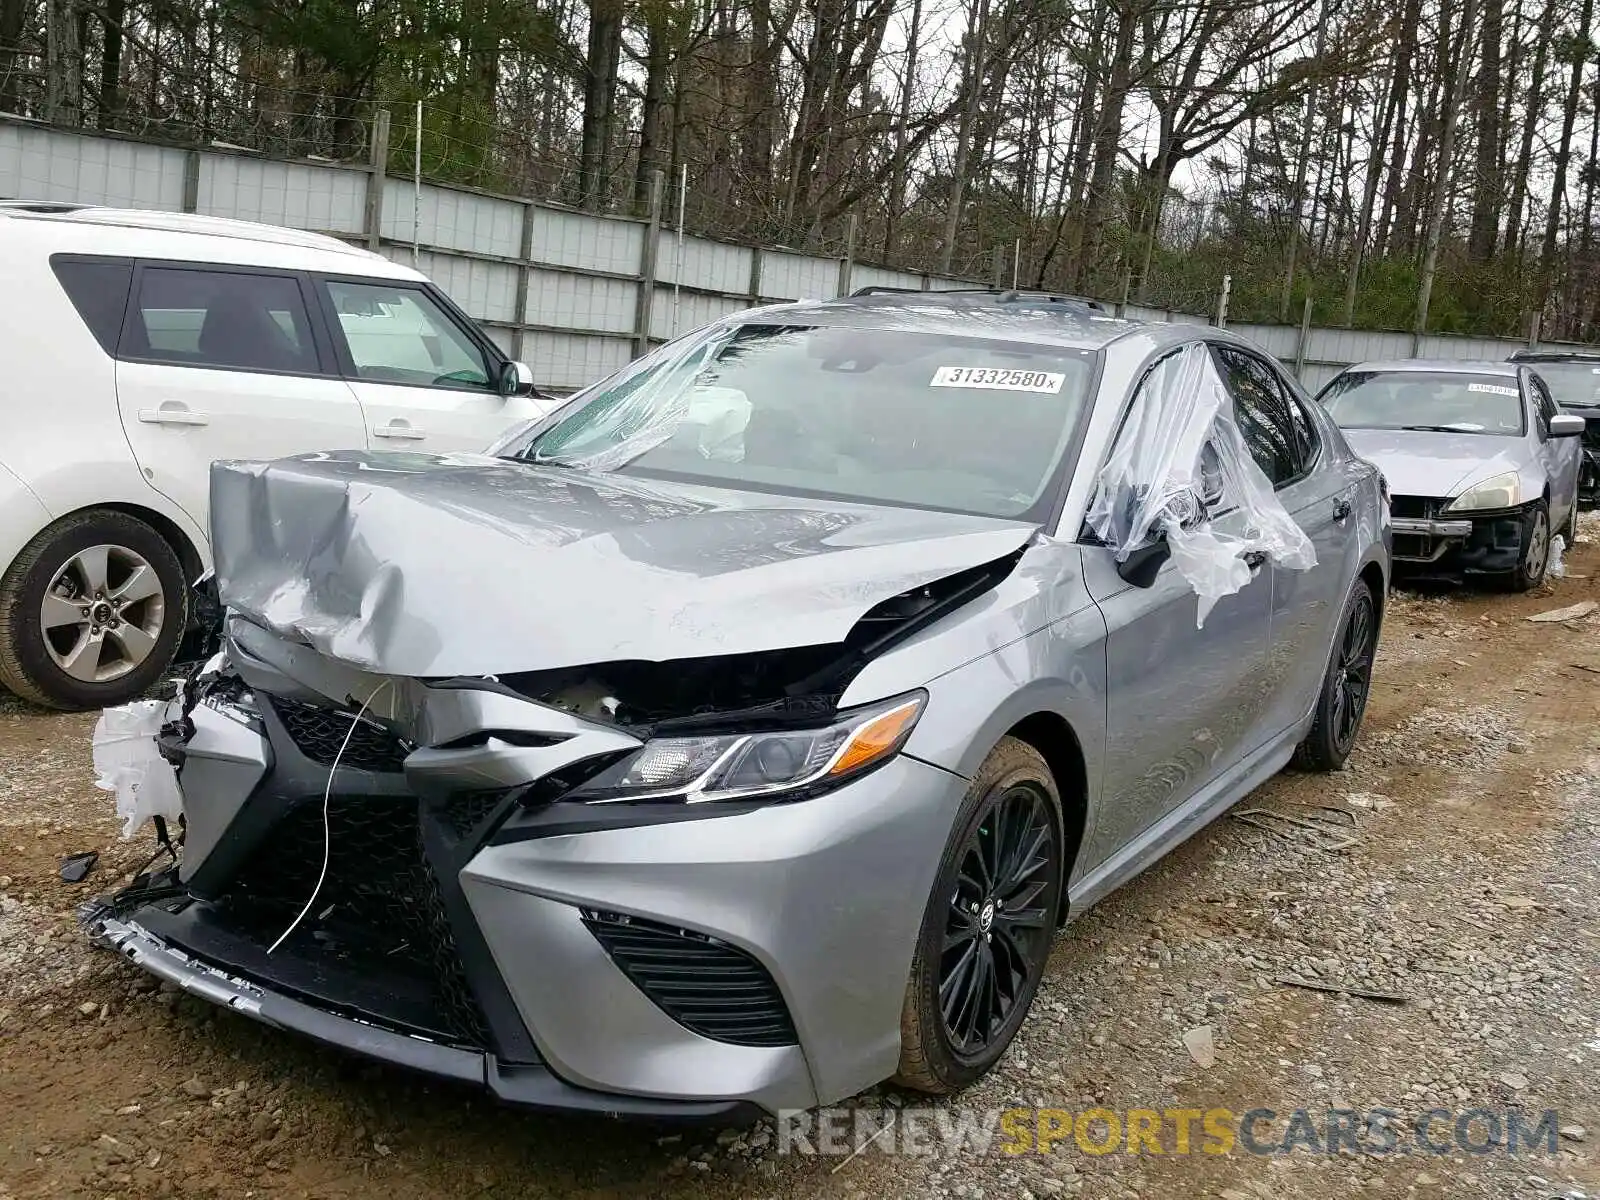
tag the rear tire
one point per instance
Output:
(1342, 702)
(1534, 558)
(989, 924)
(91, 612)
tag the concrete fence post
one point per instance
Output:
(377, 172)
(645, 307)
(998, 268)
(519, 337)
(755, 275)
(1305, 337)
(191, 181)
(848, 262)
(1222, 302)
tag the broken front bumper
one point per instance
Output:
(1431, 543)
(651, 959)
(528, 1085)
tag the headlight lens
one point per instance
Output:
(1498, 491)
(760, 765)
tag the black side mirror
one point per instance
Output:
(1141, 567)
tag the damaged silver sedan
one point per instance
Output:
(739, 735)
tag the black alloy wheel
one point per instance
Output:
(991, 918)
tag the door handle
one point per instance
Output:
(172, 416)
(405, 432)
(1341, 509)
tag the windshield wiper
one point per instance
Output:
(1462, 427)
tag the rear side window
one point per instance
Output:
(99, 291)
(226, 319)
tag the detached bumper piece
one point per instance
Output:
(1431, 543)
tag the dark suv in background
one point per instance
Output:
(1573, 377)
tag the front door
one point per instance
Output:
(424, 383)
(1562, 457)
(1184, 701)
(221, 362)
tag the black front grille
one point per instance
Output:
(1413, 508)
(379, 902)
(705, 985)
(319, 733)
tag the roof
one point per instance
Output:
(168, 222)
(994, 316)
(1456, 366)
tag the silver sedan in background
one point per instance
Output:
(1482, 465)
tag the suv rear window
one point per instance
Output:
(216, 318)
(99, 291)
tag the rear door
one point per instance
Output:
(1283, 438)
(1184, 703)
(425, 381)
(225, 362)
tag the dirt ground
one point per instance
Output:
(1455, 865)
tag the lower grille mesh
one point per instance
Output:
(380, 898)
(705, 985)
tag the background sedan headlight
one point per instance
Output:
(760, 765)
(1498, 491)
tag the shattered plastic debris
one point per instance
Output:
(75, 868)
(1180, 455)
(128, 762)
(1558, 562)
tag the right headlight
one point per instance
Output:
(760, 765)
(1498, 491)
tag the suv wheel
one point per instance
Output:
(988, 926)
(91, 612)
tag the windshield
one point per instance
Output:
(880, 416)
(1447, 401)
(1574, 384)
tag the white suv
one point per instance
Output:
(137, 348)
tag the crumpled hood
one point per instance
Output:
(429, 565)
(1441, 465)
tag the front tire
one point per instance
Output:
(91, 612)
(1342, 701)
(1534, 558)
(989, 924)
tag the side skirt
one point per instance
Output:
(1184, 822)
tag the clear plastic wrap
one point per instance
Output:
(1179, 459)
(128, 762)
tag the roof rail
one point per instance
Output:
(43, 206)
(1008, 296)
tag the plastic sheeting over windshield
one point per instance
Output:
(1179, 461)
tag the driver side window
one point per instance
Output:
(397, 334)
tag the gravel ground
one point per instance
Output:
(1453, 868)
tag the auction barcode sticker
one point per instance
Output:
(998, 379)
(1495, 388)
